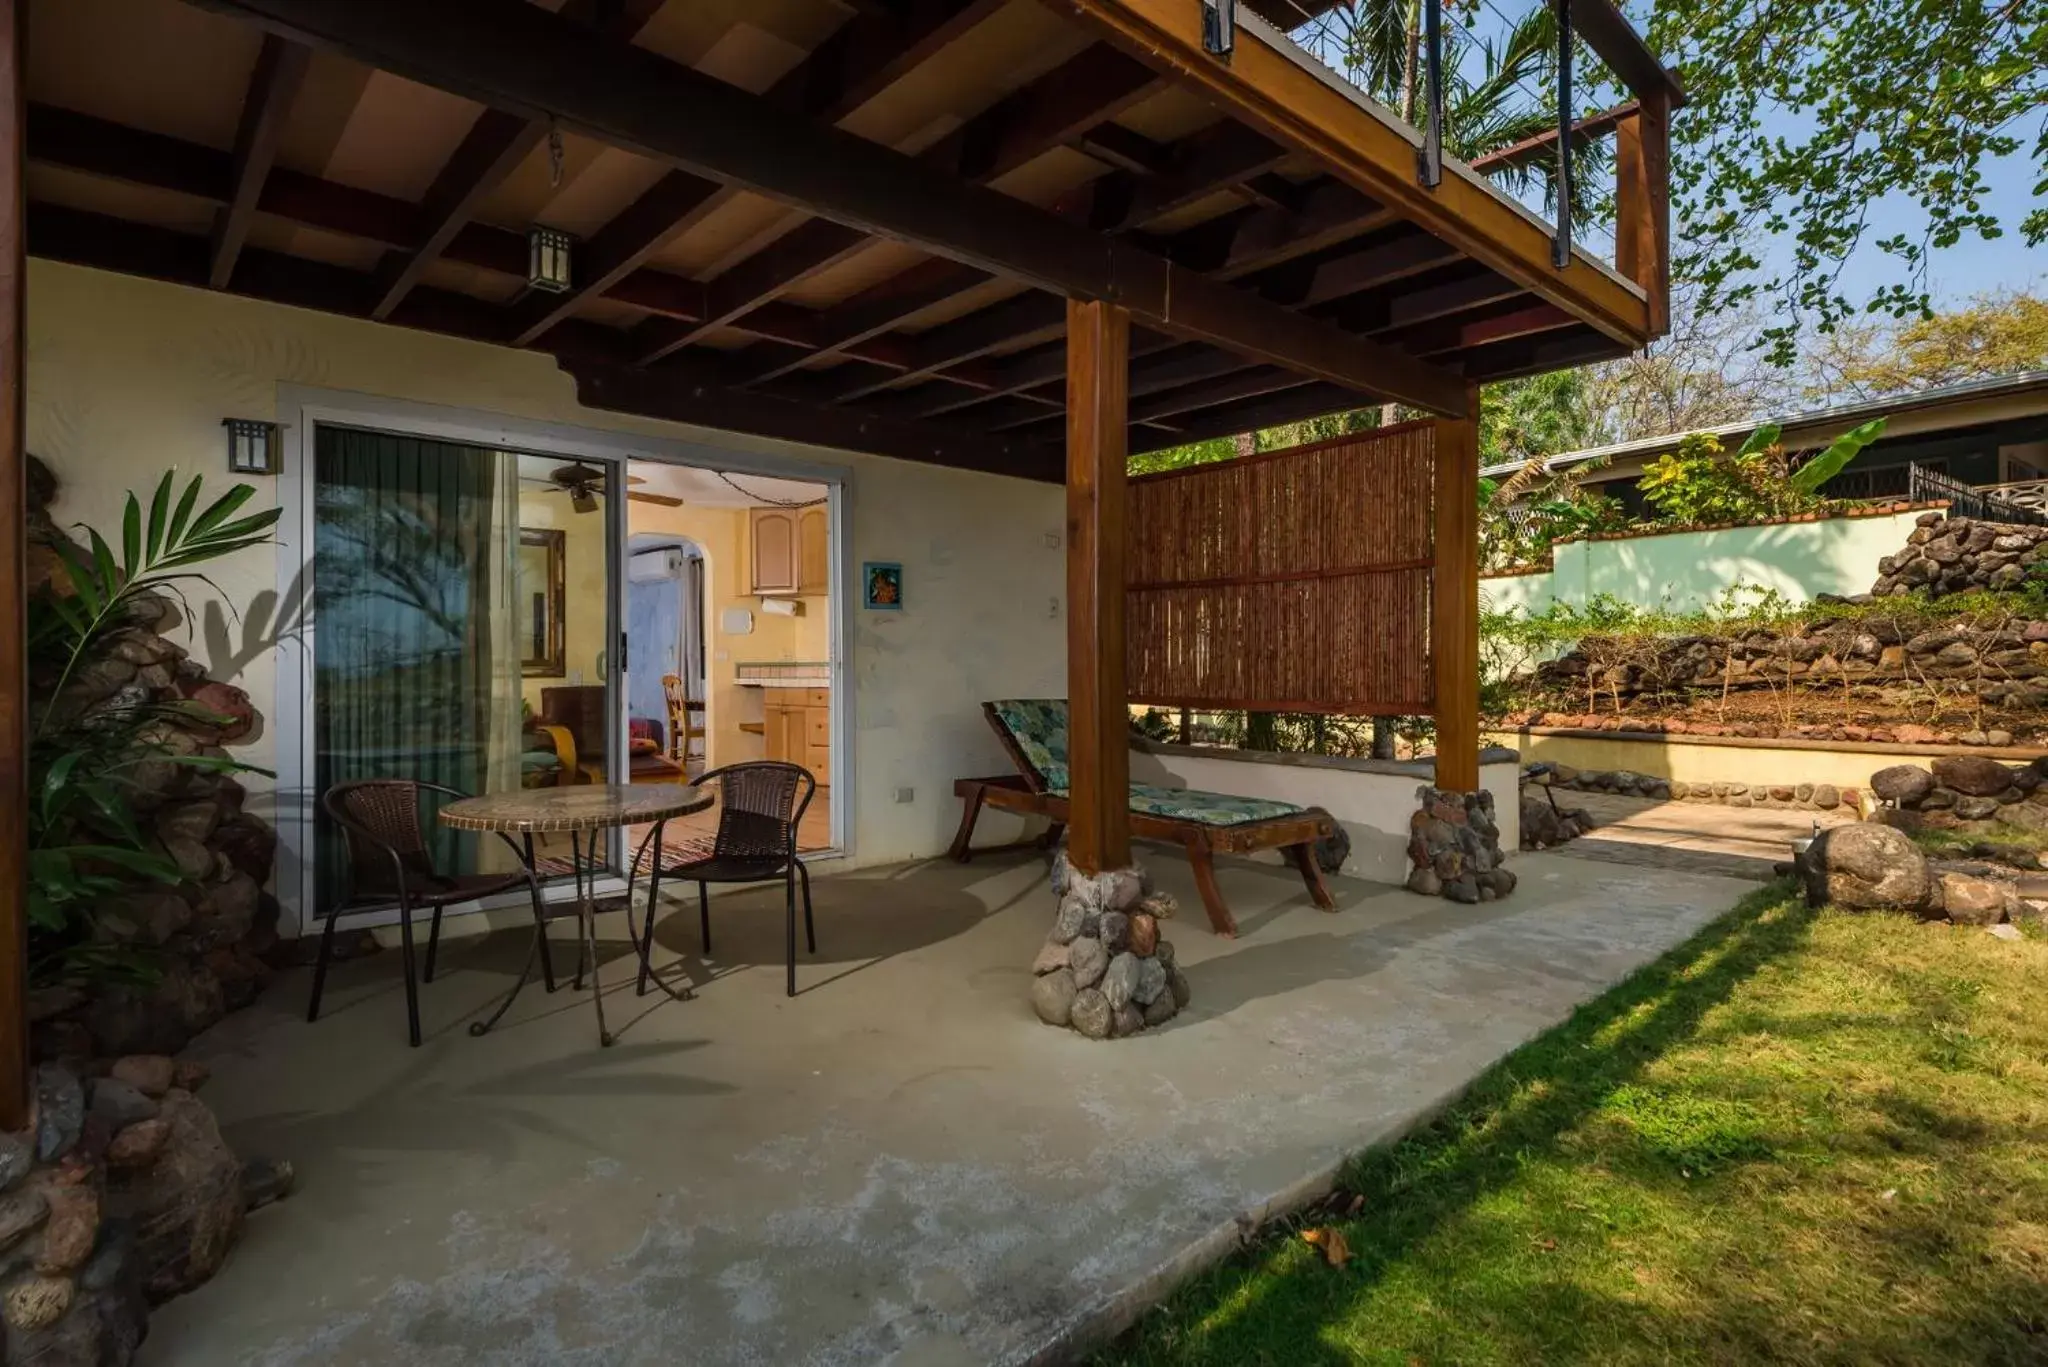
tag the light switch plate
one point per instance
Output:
(906, 794)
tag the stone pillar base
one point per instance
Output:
(1106, 969)
(1454, 847)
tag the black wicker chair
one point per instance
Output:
(389, 864)
(760, 806)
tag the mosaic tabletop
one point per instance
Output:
(589, 807)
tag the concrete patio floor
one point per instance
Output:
(901, 1164)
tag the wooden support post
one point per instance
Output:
(1454, 601)
(14, 1068)
(1098, 713)
(1642, 199)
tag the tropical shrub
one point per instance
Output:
(85, 751)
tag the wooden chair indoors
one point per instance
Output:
(685, 718)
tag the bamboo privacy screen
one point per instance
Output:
(1296, 581)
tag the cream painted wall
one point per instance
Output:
(1687, 571)
(127, 377)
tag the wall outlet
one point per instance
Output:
(906, 794)
(1052, 607)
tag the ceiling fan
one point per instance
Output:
(584, 483)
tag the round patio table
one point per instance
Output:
(583, 813)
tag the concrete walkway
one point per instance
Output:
(1700, 837)
(899, 1165)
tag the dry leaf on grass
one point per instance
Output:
(1330, 1240)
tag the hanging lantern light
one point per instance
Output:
(547, 259)
(252, 446)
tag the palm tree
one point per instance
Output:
(1496, 90)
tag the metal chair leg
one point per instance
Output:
(320, 966)
(412, 987)
(789, 902)
(433, 944)
(704, 916)
(810, 931)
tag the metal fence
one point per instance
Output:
(1995, 504)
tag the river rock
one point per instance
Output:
(1120, 981)
(186, 1206)
(1052, 996)
(1090, 1014)
(1087, 959)
(1151, 982)
(1904, 784)
(60, 1111)
(1866, 866)
(1972, 775)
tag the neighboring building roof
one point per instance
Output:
(1949, 405)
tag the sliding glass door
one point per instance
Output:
(463, 617)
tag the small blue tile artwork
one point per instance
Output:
(881, 586)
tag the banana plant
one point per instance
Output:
(1808, 478)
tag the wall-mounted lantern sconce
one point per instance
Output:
(547, 259)
(1219, 27)
(252, 446)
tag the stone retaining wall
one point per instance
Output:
(1818, 797)
(1946, 555)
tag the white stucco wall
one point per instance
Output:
(1372, 800)
(1688, 571)
(127, 378)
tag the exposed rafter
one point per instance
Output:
(514, 55)
(1049, 112)
(280, 70)
(870, 53)
(492, 149)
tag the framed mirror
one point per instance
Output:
(541, 594)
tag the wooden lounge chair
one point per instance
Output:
(1034, 732)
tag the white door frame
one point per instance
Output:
(301, 408)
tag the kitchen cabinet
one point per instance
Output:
(796, 726)
(814, 559)
(774, 561)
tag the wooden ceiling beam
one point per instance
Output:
(1221, 155)
(683, 390)
(490, 151)
(1293, 405)
(593, 353)
(869, 53)
(1236, 245)
(280, 71)
(1053, 110)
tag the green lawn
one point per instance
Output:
(1797, 1138)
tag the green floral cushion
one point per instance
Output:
(1211, 809)
(1039, 726)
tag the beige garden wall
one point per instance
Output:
(1719, 759)
(1688, 571)
(127, 378)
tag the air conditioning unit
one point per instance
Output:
(648, 565)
